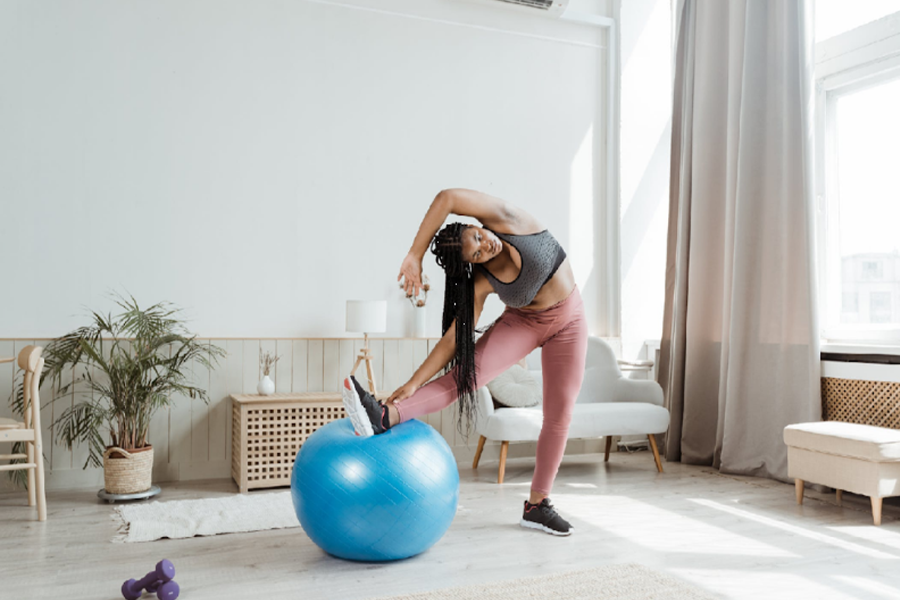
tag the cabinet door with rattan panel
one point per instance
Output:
(270, 430)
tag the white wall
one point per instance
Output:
(259, 163)
(645, 139)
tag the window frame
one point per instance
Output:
(846, 63)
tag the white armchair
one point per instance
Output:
(609, 404)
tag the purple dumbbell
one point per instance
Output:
(164, 590)
(158, 579)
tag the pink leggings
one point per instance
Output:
(562, 333)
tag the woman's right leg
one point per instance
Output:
(508, 341)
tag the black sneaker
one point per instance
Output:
(543, 516)
(365, 412)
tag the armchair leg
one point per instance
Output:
(653, 447)
(876, 510)
(478, 452)
(503, 449)
(609, 439)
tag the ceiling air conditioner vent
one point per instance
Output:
(541, 4)
(552, 8)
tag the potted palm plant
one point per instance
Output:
(132, 363)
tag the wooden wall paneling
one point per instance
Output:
(234, 382)
(61, 456)
(331, 366)
(200, 413)
(348, 359)
(159, 439)
(447, 417)
(419, 349)
(391, 367)
(180, 424)
(405, 366)
(376, 348)
(361, 370)
(219, 406)
(315, 369)
(300, 361)
(284, 367)
(8, 373)
(251, 366)
(191, 438)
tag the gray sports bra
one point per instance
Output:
(541, 256)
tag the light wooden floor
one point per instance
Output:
(741, 537)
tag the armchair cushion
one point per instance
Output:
(516, 388)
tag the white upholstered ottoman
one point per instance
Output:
(858, 458)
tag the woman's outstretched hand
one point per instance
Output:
(411, 273)
(404, 391)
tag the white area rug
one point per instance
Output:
(611, 582)
(208, 516)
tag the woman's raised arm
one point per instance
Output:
(445, 348)
(491, 211)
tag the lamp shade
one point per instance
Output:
(367, 316)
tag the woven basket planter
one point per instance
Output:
(127, 472)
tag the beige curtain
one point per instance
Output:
(740, 344)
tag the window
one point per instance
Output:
(880, 307)
(858, 170)
(871, 270)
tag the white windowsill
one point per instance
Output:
(859, 348)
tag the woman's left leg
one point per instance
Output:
(562, 361)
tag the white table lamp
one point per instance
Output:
(366, 316)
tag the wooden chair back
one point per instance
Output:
(29, 432)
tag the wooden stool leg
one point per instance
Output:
(876, 510)
(798, 487)
(837, 496)
(653, 447)
(503, 449)
(371, 373)
(608, 446)
(478, 452)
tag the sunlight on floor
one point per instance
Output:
(763, 583)
(879, 590)
(684, 531)
(871, 533)
(827, 539)
(590, 486)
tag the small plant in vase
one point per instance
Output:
(418, 304)
(266, 386)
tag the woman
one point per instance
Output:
(511, 255)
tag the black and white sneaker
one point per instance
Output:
(366, 413)
(544, 517)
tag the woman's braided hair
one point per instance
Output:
(459, 305)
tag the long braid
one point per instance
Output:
(459, 305)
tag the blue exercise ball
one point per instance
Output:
(379, 498)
